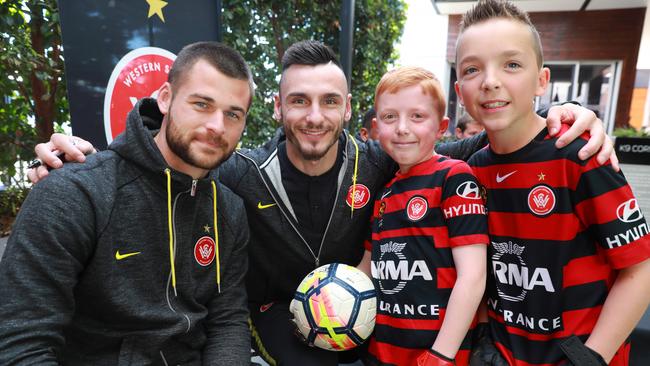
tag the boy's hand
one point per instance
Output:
(49, 154)
(582, 120)
(433, 358)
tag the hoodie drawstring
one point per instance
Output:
(354, 175)
(171, 230)
(216, 234)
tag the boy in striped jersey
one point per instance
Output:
(568, 260)
(427, 251)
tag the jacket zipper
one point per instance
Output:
(320, 248)
(169, 303)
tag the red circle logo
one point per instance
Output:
(416, 208)
(541, 200)
(361, 196)
(139, 74)
(204, 250)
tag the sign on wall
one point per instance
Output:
(119, 51)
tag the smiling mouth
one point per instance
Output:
(494, 105)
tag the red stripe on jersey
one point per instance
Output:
(398, 201)
(533, 227)
(446, 277)
(367, 244)
(521, 177)
(606, 205)
(576, 322)
(584, 270)
(416, 324)
(630, 254)
(388, 353)
(469, 240)
(434, 232)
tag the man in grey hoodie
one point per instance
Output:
(143, 259)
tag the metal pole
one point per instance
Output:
(346, 44)
(219, 21)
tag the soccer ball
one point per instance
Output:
(334, 307)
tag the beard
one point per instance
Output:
(308, 151)
(179, 142)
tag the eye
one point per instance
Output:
(233, 116)
(201, 105)
(470, 70)
(331, 101)
(387, 117)
(513, 65)
(298, 101)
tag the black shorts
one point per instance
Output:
(275, 342)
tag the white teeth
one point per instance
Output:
(494, 104)
(319, 132)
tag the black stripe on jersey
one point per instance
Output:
(412, 338)
(454, 181)
(597, 181)
(516, 200)
(442, 256)
(564, 250)
(532, 351)
(585, 296)
(398, 220)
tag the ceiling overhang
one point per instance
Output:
(446, 7)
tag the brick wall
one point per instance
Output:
(586, 36)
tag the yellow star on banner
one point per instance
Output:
(155, 7)
(541, 176)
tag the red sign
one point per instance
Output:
(139, 74)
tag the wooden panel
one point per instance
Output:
(637, 107)
(586, 36)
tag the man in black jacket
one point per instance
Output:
(139, 255)
(308, 193)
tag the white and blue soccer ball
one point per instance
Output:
(334, 307)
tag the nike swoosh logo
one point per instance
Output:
(386, 194)
(119, 256)
(261, 206)
(502, 178)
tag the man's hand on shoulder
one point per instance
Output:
(50, 154)
(582, 120)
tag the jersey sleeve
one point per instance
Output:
(606, 206)
(463, 207)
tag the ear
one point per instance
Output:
(442, 128)
(164, 98)
(363, 132)
(458, 94)
(459, 133)
(542, 81)
(277, 107)
(348, 108)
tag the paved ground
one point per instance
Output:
(639, 178)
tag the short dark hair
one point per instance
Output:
(492, 9)
(221, 57)
(309, 53)
(463, 121)
(367, 118)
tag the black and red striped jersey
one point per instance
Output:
(416, 221)
(560, 229)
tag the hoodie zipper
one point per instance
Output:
(169, 303)
(193, 189)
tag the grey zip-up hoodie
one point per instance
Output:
(88, 274)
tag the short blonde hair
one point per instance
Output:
(486, 10)
(403, 77)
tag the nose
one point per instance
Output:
(315, 114)
(490, 80)
(402, 125)
(215, 123)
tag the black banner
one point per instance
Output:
(633, 150)
(118, 51)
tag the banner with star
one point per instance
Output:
(117, 52)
